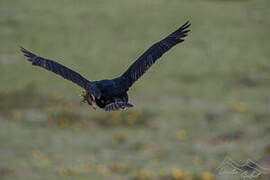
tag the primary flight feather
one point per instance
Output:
(111, 94)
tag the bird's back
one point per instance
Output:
(111, 87)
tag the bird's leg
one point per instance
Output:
(87, 98)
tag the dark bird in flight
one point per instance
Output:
(111, 94)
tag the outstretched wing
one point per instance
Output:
(57, 68)
(140, 66)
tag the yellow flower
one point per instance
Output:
(57, 94)
(119, 138)
(63, 172)
(197, 161)
(68, 107)
(89, 166)
(63, 122)
(207, 176)
(162, 173)
(177, 174)
(181, 135)
(49, 108)
(77, 125)
(239, 107)
(104, 170)
(7, 91)
(145, 174)
(58, 158)
(117, 167)
(187, 175)
(41, 157)
(143, 148)
(116, 117)
(16, 116)
(131, 119)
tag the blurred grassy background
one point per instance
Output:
(206, 99)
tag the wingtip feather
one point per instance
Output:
(182, 32)
(30, 56)
(186, 25)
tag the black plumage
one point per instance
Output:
(112, 94)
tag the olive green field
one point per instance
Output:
(205, 100)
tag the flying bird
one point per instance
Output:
(111, 94)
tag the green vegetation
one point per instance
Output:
(206, 99)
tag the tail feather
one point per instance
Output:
(117, 106)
